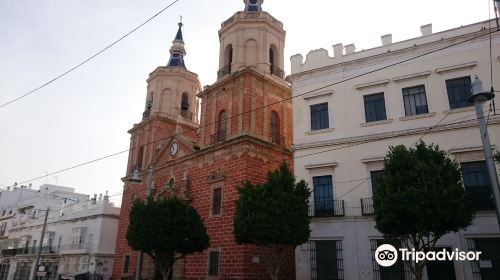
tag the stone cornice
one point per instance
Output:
(392, 134)
(248, 70)
(162, 117)
(165, 70)
(456, 67)
(383, 57)
(215, 147)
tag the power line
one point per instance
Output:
(425, 132)
(88, 59)
(366, 179)
(265, 106)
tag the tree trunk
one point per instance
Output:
(165, 265)
(419, 271)
(275, 261)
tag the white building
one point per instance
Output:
(79, 237)
(342, 133)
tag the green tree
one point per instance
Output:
(420, 198)
(274, 216)
(166, 230)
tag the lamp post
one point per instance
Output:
(39, 250)
(478, 97)
(496, 6)
(137, 179)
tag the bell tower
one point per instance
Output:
(251, 38)
(172, 89)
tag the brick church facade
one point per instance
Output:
(202, 144)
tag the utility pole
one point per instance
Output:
(40, 245)
(149, 188)
(479, 97)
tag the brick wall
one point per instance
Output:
(247, 156)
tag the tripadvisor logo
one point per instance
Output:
(387, 255)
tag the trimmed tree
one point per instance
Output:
(420, 198)
(274, 216)
(167, 230)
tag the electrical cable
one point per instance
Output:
(265, 106)
(88, 59)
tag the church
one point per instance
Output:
(201, 144)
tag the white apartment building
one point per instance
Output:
(343, 131)
(79, 238)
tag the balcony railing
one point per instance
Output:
(367, 206)
(78, 246)
(327, 208)
(223, 71)
(217, 137)
(29, 251)
(187, 114)
(277, 71)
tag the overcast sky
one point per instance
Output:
(86, 114)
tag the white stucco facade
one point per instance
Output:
(79, 238)
(355, 139)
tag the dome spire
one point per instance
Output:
(253, 5)
(177, 51)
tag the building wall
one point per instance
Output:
(352, 147)
(245, 154)
(68, 211)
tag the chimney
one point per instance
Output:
(338, 50)
(94, 199)
(350, 49)
(426, 29)
(100, 196)
(386, 39)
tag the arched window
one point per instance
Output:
(228, 56)
(140, 156)
(149, 102)
(251, 52)
(271, 58)
(273, 61)
(185, 107)
(275, 128)
(171, 183)
(221, 126)
(228, 60)
(184, 102)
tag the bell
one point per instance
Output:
(136, 176)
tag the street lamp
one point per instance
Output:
(497, 11)
(478, 97)
(136, 178)
(39, 250)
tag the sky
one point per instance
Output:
(86, 114)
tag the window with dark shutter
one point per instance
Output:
(477, 185)
(319, 116)
(458, 90)
(213, 263)
(221, 126)
(275, 128)
(126, 263)
(217, 201)
(415, 101)
(375, 178)
(140, 156)
(375, 107)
